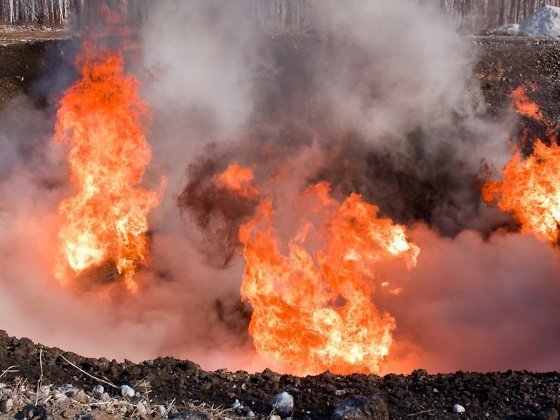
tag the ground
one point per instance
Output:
(513, 395)
(31, 375)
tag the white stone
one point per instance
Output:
(162, 411)
(127, 391)
(457, 408)
(142, 408)
(283, 404)
(98, 391)
(60, 395)
(236, 405)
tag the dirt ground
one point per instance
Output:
(508, 395)
(181, 386)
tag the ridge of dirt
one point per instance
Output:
(507, 395)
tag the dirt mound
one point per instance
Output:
(513, 395)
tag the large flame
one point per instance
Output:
(313, 311)
(530, 189)
(102, 118)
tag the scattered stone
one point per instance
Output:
(458, 408)
(161, 410)
(236, 405)
(68, 390)
(275, 417)
(60, 395)
(127, 391)
(283, 404)
(360, 408)
(142, 408)
(98, 391)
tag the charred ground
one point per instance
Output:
(504, 63)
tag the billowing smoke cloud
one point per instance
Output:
(377, 98)
(479, 305)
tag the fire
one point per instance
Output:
(313, 311)
(239, 180)
(530, 189)
(525, 106)
(103, 121)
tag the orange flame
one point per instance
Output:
(525, 106)
(530, 189)
(313, 311)
(102, 118)
(239, 180)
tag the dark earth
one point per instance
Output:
(503, 64)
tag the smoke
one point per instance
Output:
(378, 98)
(479, 305)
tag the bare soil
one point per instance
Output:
(504, 63)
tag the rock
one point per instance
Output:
(236, 405)
(161, 411)
(142, 408)
(68, 390)
(60, 395)
(127, 391)
(275, 417)
(458, 408)
(6, 405)
(98, 391)
(283, 404)
(361, 408)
